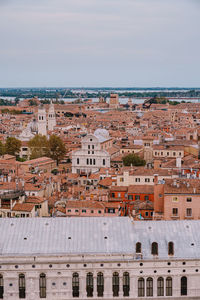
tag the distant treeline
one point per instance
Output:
(59, 93)
(4, 102)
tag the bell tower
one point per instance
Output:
(51, 117)
(42, 122)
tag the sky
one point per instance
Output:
(99, 43)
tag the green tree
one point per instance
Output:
(57, 148)
(32, 102)
(132, 159)
(39, 146)
(2, 148)
(12, 146)
(16, 100)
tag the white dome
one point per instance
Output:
(102, 132)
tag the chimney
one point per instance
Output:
(155, 178)
(178, 162)
(158, 197)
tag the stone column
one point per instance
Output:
(154, 286)
(108, 284)
(176, 286)
(95, 285)
(82, 285)
(121, 285)
(133, 286)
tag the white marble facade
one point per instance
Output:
(91, 157)
(99, 258)
(59, 272)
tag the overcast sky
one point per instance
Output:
(133, 43)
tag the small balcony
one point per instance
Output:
(188, 217)
(175, 217)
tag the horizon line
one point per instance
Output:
(99, 87)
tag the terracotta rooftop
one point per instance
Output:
(26, 207)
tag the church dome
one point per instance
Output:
(101, 132)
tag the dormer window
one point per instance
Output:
(154, 248)
(138, 248)
(170, 248)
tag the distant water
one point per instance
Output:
(122, 100)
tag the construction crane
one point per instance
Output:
(147, 103)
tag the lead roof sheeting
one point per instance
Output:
(97, 235)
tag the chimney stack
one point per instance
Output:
(178, 162)
(155, 179)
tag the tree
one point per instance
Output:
(39, 146)
(2, 148)
(57, 148)
(132, 159)
(16, 100)
(12, 146)
(32, 102)
(54, 171)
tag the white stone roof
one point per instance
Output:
(97, 235)
(102, 135)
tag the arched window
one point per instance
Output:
(154, 248)
(75, 285)
(138, 248)
(100, 284)
(170, 248)
(168, 286)
(149, 287)
(89, 284)
(160, 286)
(22, 286)
(141, 287)
(1, 286)
(115, 284)
(126, 284)
(42, 285)
(183, 286)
